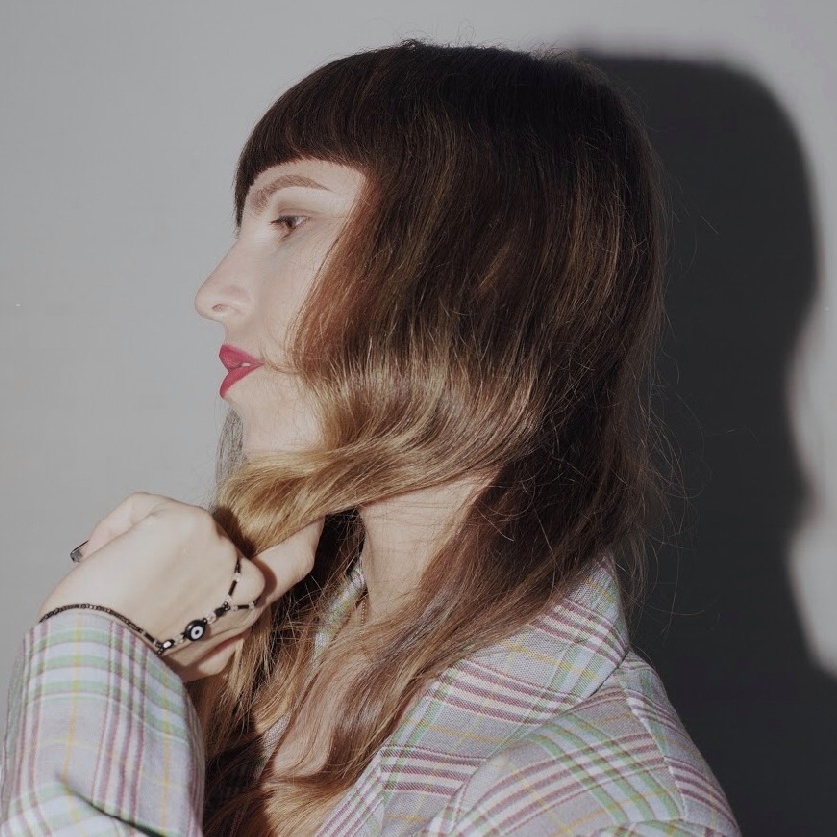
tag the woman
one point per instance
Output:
(439, 312)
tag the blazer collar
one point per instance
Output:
(553, 663)
(489, 700)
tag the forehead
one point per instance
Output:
(331, 179)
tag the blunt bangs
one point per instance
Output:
(388, 111)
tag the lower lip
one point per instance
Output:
(234, 376)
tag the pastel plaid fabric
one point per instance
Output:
(558, 730)
(101, 738)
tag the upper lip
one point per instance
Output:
(234, 358)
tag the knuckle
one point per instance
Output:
(191, 521)
(138, 500)
(199, 517)
(230, 550)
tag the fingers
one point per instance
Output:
(251, 584)
(164, 564)
(213, 662)
(194, 660)
(161, 563)
(268, 576)
(287, 563)
(126, 515)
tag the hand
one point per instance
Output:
(162, 564)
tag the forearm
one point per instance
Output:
(101, 737)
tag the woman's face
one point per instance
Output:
(293, 214)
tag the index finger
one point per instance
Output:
(288, 562)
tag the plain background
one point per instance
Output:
(120, 125)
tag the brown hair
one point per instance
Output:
(493, 306)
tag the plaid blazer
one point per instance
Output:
(558, 730)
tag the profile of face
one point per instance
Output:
(293, 214)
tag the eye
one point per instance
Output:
(288, 223)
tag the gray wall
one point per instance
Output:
(120, 124)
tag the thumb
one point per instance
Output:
(288, 562)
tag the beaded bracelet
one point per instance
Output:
(195, 630)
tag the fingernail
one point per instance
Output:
(75, 555)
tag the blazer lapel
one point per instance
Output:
(487, 700)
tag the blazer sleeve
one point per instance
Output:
(101, 737)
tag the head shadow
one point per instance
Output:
(720, 623)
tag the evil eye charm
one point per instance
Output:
(195, 629)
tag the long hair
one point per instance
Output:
(493, 306)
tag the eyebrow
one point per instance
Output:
(261, 197)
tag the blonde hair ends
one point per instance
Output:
(493, 307)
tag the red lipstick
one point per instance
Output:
(239, 364)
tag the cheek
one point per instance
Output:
(280, 417)
(284, 296)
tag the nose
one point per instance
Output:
(224, 294)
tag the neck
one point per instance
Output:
(402, 534)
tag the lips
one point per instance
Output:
(239, 365)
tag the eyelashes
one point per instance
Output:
(288, 223)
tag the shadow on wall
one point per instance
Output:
(720, 623)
